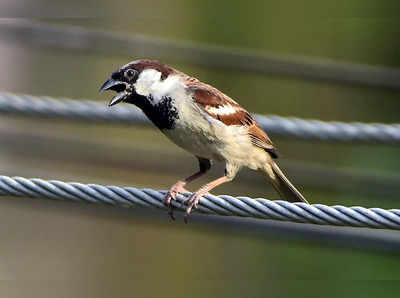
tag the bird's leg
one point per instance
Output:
(195, 198)
(178, 187)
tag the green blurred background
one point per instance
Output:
(69, 250)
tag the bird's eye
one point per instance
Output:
(130, 74)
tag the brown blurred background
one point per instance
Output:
(54, 249)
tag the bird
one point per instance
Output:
(203, 121)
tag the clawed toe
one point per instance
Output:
(192, 203)
(167, 202)
(171, 195)
(186, 201)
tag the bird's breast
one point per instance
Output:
(162, 113)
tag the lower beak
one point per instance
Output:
(117, 86)
(118, 98)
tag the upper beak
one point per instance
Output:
(110, 83)
(117, 86)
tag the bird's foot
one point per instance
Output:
(191, 203)
(171, 195)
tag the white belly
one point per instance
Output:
(209, 138)
(200, 134)
(198, 140)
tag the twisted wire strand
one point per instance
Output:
(44, 106)
(209, 204)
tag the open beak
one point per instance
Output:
(117, 86)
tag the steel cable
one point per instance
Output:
(209, 204)
(43, 106)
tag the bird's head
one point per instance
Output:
(134, 80)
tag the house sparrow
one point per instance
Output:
(202, 120)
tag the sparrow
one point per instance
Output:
(202, 120)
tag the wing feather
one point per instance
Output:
(224, 109)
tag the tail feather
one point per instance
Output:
(283, 186)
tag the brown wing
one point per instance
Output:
(223, 108)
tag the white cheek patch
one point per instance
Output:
(150, 83)
(146, 80)
(221, 110)
(167, 87)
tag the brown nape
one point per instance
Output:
(154, 64)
